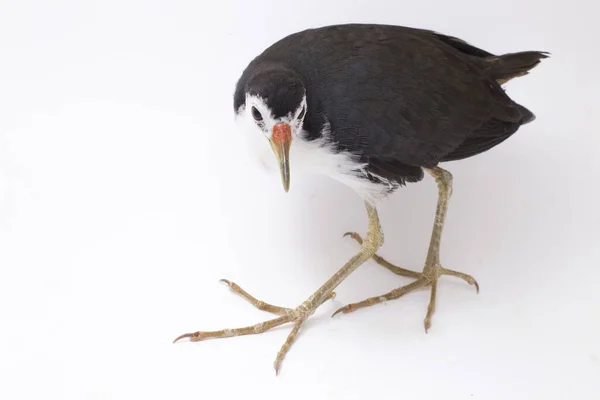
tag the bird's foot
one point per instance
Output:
(429, 277)
(297, 316)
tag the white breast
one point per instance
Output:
(316, 157)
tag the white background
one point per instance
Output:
(124, 198)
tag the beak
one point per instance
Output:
(280, 143)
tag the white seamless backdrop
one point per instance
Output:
(125, 196)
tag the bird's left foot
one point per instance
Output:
(429, 277)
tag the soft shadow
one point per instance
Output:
(499, 205)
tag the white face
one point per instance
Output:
(258, 118)
(258, 124)
(306, 156)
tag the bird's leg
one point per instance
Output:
(384, 263)
(433, 269)
(373, 241)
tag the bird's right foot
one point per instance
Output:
(297, 316)
(373, 240)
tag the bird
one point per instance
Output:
(375, 107)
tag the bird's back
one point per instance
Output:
(403, 98)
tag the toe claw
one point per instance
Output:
(185, 335)
(354, 236)
(346, 309)
(232, 285)
(471, 281)
(225, 281)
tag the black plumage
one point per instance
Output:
(374, 106)
(399, 98)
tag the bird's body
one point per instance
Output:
(384, 101)
(374, 107)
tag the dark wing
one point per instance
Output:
(417, 100)
(403, 98)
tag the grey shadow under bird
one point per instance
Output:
(374, 107)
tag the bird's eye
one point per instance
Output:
(256, 114)
(301, 115)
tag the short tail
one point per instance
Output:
(512, 65)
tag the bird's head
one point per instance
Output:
(275, 108)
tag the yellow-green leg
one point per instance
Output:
(432, 270)
(373, 241)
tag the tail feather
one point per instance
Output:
(512, 65)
